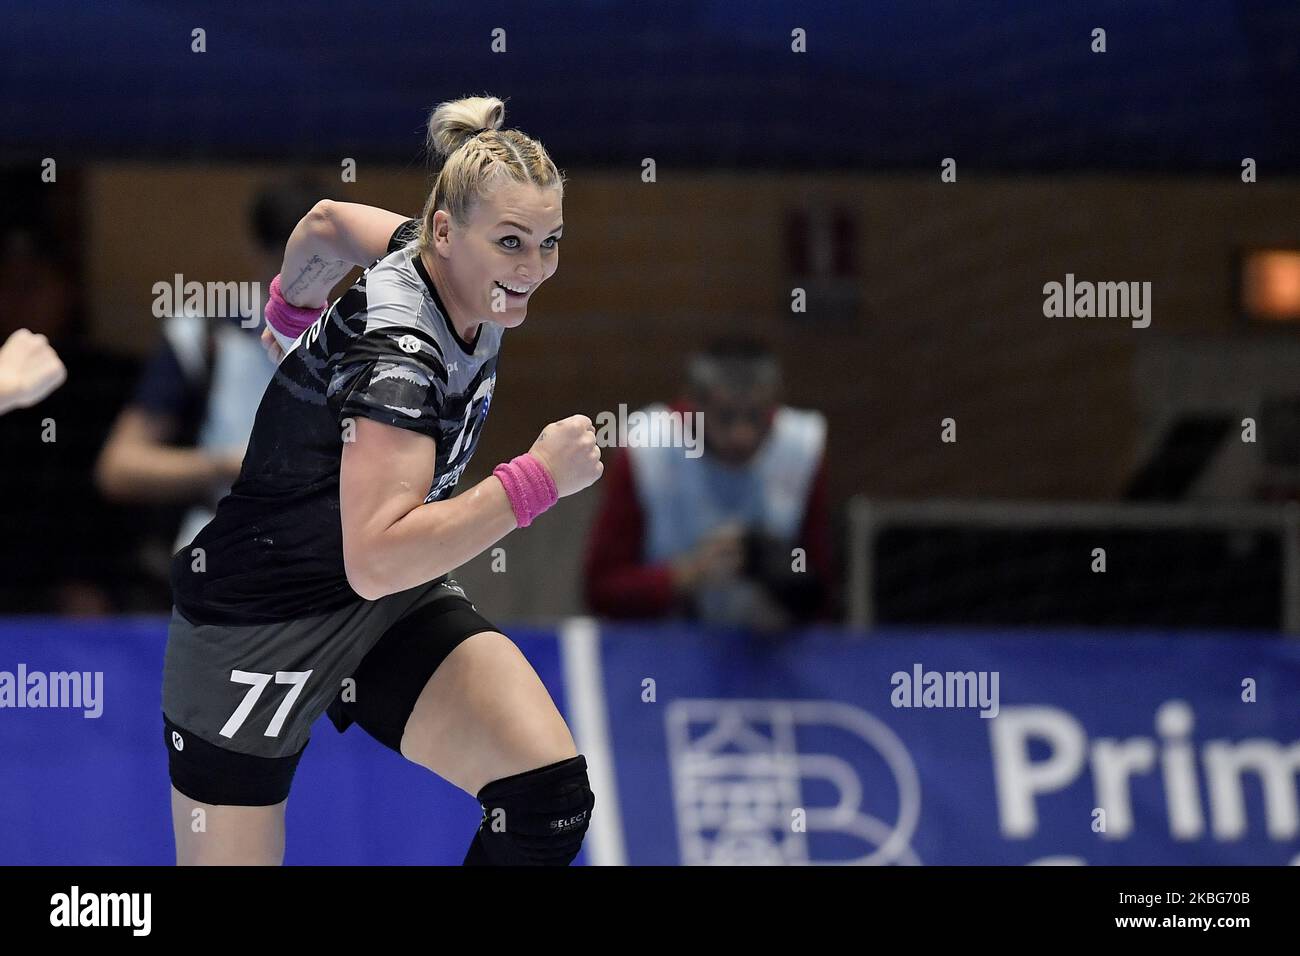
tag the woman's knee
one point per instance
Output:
(535, 818)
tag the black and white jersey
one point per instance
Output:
(385, 350)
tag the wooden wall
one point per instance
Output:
(951, 323)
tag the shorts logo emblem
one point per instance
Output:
(178, 741)
(408, 343)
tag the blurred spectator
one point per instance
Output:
(183, 435)
(713, 537)
(62, 544)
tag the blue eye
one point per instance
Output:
(512, 242)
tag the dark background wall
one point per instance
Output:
(1115, 166)
(1009, 84)
(949, 278)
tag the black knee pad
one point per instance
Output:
(534, 818)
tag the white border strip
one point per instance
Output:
(584, 685)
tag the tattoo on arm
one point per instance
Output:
(316, 270)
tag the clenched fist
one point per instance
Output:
(29, 370)
(272, 346)
(569, 451)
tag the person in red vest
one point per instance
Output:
(738, 535)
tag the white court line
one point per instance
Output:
(585, 691)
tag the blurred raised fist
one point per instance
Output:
(29, 370)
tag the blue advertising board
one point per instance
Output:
(919, 747)
(710, 746)
(87, 788)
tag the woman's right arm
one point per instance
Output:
(393, 540)
(328, 243)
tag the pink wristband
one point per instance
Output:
(529, 486)
(288, 320)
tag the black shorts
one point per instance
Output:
(239, 701)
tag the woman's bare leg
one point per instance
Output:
(208, 835)
(484, 715)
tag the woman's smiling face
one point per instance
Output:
(509, 247)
